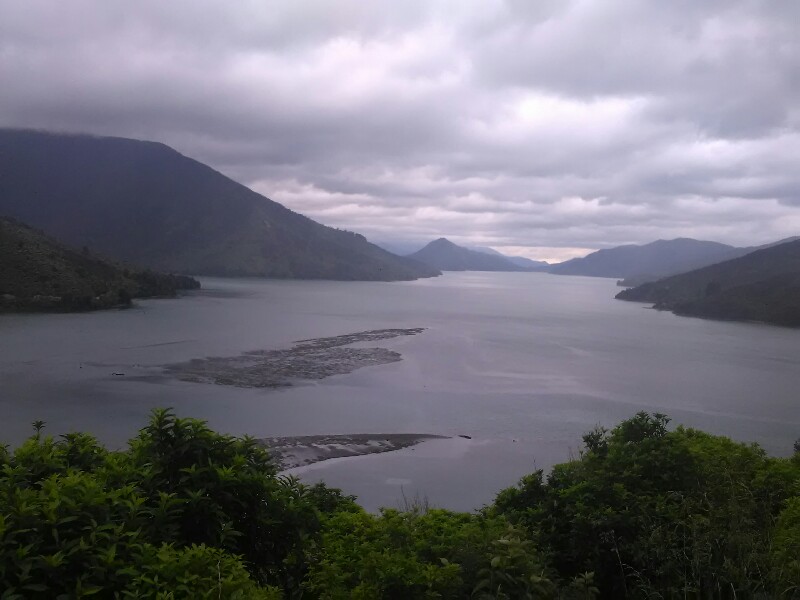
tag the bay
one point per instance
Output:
(522, 363)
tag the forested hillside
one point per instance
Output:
(38, 273)
(183, 512)
(144, 203)
(760, 286)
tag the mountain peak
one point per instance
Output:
(444, 255)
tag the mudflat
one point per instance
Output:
(291, 452)
(307, 359)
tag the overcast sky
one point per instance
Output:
(542, 128)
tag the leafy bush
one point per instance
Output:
(168, 573)
(77, 520)
(644, 512)
(401, 555)
(786, 549)
(659, 513)
(205, 488)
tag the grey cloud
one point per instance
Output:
(551, 124)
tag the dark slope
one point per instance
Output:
(654, 261)
(38, 273)
(637, 280)
(761, 286)
(444, 255)
(145, 203)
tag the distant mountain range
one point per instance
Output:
(444, 255)
(39, 273)
(763, 285)
(650, 261)
(520, 261)
(144, 203)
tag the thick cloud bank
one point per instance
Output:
(544, 128)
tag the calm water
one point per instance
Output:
(522, 363)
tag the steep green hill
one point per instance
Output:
(38, 273)
(760, 286)
(144, 203)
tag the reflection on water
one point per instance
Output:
(523, 363)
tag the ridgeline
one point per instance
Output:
(761, 286)
(650, 261)
(144, 203)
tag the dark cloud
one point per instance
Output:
(545, 127)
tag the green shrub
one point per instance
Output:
(76, 520)
(644, 512)
(659, 513)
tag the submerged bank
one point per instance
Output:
(298, 451)
(307, 359)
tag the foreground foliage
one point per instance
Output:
(183, 512)
(658, 513)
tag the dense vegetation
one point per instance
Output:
(144, 203)
(184, 512)
(38, 273)
(760, 286)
